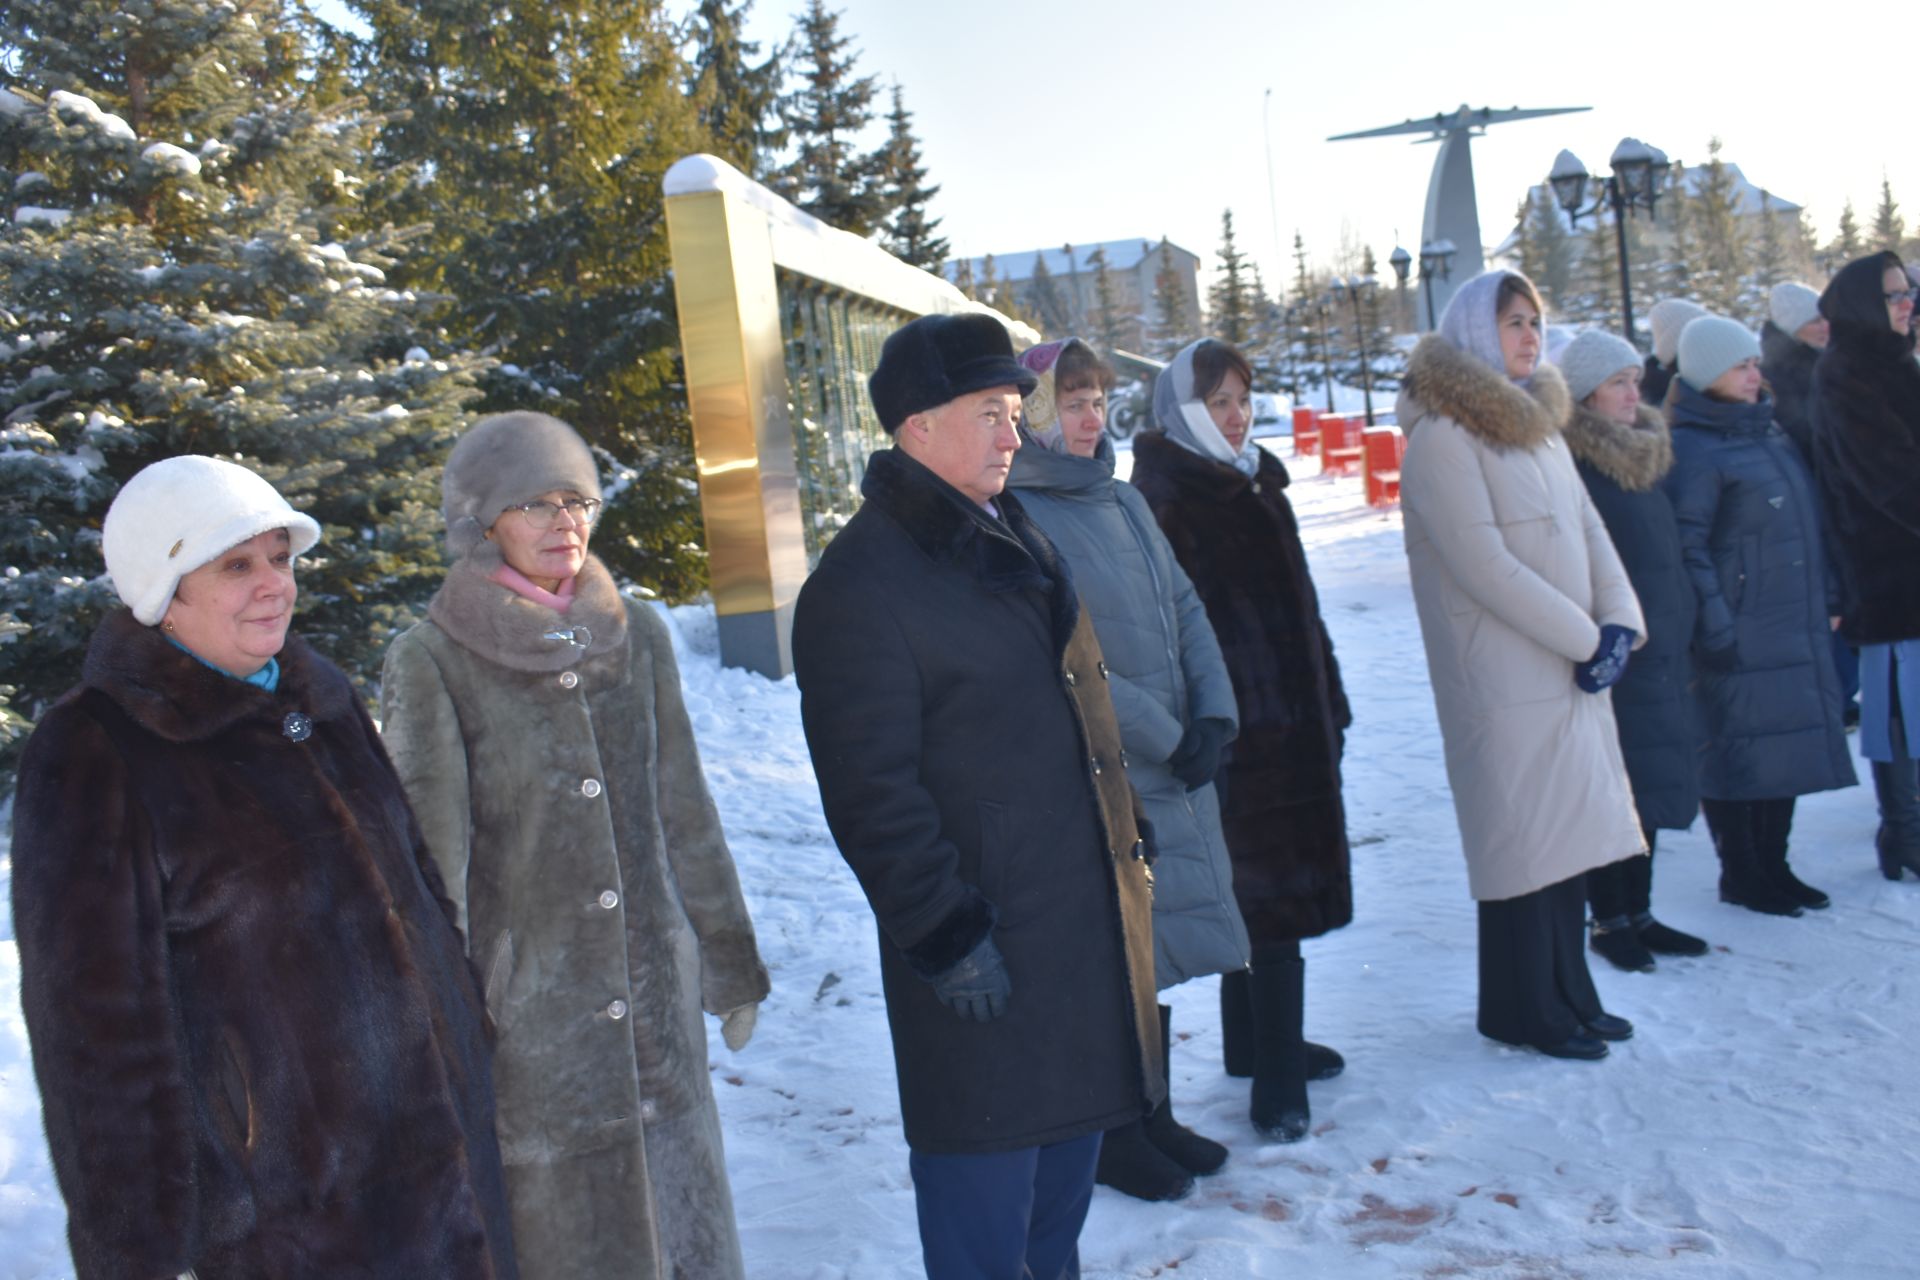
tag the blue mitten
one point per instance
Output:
(1609, 661)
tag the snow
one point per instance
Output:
(12, 105)
(1760, 1124)
(79, 104)
(1567, 165)
(168, 158)
(29, 215)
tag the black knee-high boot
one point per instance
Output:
(1236, 1033)
(1182, 1145)
(1279, 1110)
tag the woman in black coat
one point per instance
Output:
(1623, 450)
(1221, 501)
(1769, 697)
(1866, 420)
(259, 1047)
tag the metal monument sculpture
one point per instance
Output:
(1452, 213)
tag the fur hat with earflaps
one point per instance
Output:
(180, 513)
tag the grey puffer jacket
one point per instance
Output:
(1167, 673)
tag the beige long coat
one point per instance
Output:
(561, 795)
(1513, 576)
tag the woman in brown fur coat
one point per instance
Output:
(259, 1046)
(536, 719)
(1528, 618)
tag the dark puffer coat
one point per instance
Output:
(259, 1046)
(1769, 696)
(1866, 413)
(1286, 826)
(1787, 364)
(1622, 467)
(955, 704)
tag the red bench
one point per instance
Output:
(1340, 447)
(1382, 448)
(1306, 430)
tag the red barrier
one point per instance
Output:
(1382, 448)
(1340, 448)
(1306, 430)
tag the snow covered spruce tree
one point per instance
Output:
(911, 232)
(180, 272)
(531, 136)
(825, 115)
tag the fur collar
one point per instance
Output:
(1634, 457)
(1008, 554)
(505, 627)
(1445, 380)
(1202, 477)
(175, 696)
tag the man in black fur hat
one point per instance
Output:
(957, 710)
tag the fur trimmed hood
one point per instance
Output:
(1445, 380)
(504, 626)
(1634, 457)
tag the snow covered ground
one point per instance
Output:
(1763, 1123)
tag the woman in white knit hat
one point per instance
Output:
(537, 720)
(1527, 618)
(1768, 693)
(1623, 451)
(259, 1045)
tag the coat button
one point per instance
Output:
(648, 1110)
(609, 899)
(1123, 759)
(1096, 767)
(1103, 671)
(590, 788)
(1072, 680)
(617, 1010)
(1139, 850)
(568, 679)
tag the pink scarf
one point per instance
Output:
(518, 583)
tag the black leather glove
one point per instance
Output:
(977, 987)
(1609, 661)
(1197, 758)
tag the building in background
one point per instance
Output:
(1058, 289)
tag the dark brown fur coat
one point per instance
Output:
(259, 1045)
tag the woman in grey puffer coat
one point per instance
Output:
(1175, 705)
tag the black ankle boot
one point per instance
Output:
(1178, 1143)
(1131, 1164)
(1279, 1111)
(1745, 883)
(1323, 1063)
(1616, 941)
(1798, 890)
(1663, 940)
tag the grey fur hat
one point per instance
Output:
(1593, 357)
(1711, 345)
(507, 459)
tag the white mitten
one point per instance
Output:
(736, 1028)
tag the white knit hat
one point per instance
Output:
(1593, 357)
(178, 514)
(1792, 306)
(1668, 317)
(1712, 345)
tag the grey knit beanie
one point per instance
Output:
(1712, 345)
(507, 459)
(1668, 317)
(1792, 306)
(1593, 357)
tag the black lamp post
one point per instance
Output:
(1356, 288)
(1639, 178)
(1326, 350)
(1436, 259)
(1402, 263)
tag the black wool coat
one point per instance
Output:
(1767, 690)
(259, 1046)
(1286, 826)
(1787, 364)
(1622, 467)
(1866, 413)
(970, 766)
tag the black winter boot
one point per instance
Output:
(1131, 1164)
(1236, 1033)
(1664, 940)
(1182, 1145)
(1279, 1111)
(1898, 841)
(1744, 881)
(1616, 941)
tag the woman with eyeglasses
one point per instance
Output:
(1866, 415)
(1767, 689)
(536, 719)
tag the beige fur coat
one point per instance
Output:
(561, 795)
(1513, 576)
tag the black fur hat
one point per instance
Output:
(934, 359)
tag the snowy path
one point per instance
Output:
(1762, 1124)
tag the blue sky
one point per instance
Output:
(1050, 122)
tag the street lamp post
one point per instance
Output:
(1436, 259)
(1326, 350)
(1402, 263)
(1639, 178)
(1356, 288)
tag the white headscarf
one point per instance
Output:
(1184, 417)
(1472, 320)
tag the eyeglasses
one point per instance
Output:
(542, 515)
(1898, 296)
